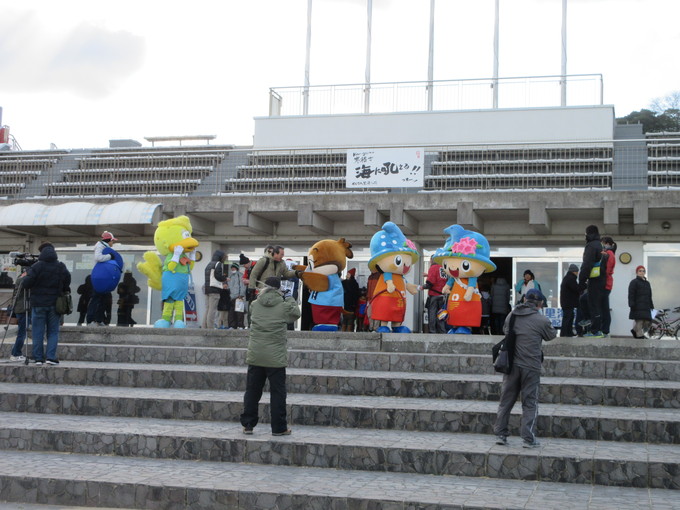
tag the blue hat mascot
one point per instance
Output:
(464, 257)
(393, 256)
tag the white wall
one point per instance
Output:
(623, 274)
(426, 128)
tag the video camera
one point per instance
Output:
(23, 259)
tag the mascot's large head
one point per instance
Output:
(391, 251)
(329, 256)
(173, 232)
(465, 254)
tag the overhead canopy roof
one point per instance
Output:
(78, 213)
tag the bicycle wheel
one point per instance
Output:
(656, 330)
(676, 333)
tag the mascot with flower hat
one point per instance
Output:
(464, 257)
(392, 255)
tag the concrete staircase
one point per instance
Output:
(148, 418)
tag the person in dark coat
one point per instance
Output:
(640, 302)
(127, 299)
(46, 279)
(592, 255)
(85, 290)
(531, 328)
(351, 291)
(569, 295)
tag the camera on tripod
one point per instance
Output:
(23, 259)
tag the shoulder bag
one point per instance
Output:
(503, 352)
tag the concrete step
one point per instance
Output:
(556, 390)
(558, 366)
(393, 413)
(57, 478)
(557, 460)
(606, 348)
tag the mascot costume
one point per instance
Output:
(327, 259)
(174, 242)
(106, 275)
(464, 257)
(392, 255)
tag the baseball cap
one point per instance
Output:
(535, 295)
(108, 236)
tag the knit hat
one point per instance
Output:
(352, 271)
(388, 241)
(243, 260)
(273, 282)
(573, 268)
(639, 267)
(534, 295)
(465, 244)
(234, 265)
(108, 236)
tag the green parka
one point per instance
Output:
(270, 315)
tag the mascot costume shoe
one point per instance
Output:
(327, 259)
(174, 242)
(464, 257)
(392, 255)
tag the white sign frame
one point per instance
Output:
(386, 168)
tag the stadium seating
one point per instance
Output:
(17, 170)
(151, 172)
(663, 160)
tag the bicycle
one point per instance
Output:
(663, 326)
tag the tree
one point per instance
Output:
(664, 115)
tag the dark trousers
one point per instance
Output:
(96, 309)
(606, 312)
(595, 295)
(257, 376)
(435, 304)
(567, 328)
(526, 382)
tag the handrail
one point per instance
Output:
(461, 94)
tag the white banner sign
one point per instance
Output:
(385, 168)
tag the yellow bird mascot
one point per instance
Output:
(174, 242)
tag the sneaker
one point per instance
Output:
(38, 362)
(530, 444)
(606, 335)
(17, 358)
(585, 323)
(284, 433)
(52, 361)
(248, 431)
(501, 440)
(594, 334)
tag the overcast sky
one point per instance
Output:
(77, 73)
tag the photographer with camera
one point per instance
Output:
(46, 279)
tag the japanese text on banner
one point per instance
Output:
(385, 168)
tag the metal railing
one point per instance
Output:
(438, 95)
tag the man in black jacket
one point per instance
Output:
(214, 274)
(595, 283)
(569, 295)
(47, 279)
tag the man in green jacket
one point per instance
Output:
(267, 356)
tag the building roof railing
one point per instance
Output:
(437, 95)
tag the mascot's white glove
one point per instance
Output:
(390, 286)
(192, 255)
(177, 253)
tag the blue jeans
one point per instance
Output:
(21, 333)
(45, 320)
